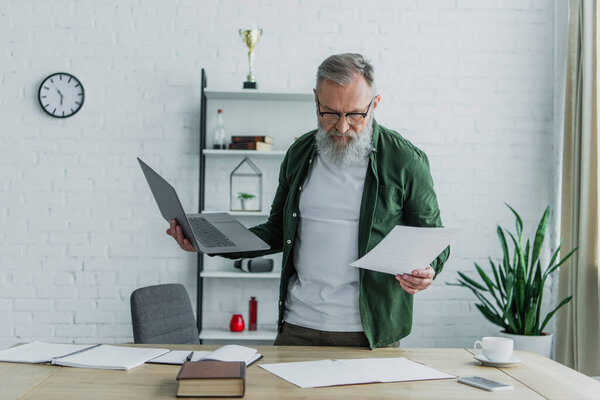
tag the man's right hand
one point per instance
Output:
(177, 233)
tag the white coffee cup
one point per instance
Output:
(495, 348)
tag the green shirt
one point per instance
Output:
(398, 191)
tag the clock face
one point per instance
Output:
(61, 95)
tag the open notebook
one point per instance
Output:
(231, 352)
(101, 356)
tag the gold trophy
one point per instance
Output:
(250, 37)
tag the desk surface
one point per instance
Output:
(536, 377)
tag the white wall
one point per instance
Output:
(469, 81)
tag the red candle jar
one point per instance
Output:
(237, 323)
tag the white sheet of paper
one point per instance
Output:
(110, 357)
(306, 374)
(406, 248)
(39, 352)
(395, 369)
(353, 371)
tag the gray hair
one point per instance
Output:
(343, 68)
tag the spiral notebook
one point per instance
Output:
(99, 356)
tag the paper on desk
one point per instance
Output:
(407, 248)
(395, 369)
(39, 352)
(306, 374)
(353, 371)
(109, 357)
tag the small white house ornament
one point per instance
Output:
(245, 187)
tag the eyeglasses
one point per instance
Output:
(332, 118)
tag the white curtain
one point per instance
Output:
(578, 323)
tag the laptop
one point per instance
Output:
(210, 233)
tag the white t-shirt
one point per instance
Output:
(324, 293)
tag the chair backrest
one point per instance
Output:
(163, 314)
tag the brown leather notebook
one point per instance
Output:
(212, 379)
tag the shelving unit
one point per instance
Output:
(237, 153)
(241, 275)
(222, 334)
(281, 115)
(258, 95)
(240, 213)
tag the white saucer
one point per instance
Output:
(482, 359)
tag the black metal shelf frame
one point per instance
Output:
(201, 176)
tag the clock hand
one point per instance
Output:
(61, 96)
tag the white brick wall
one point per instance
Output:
(470, 82)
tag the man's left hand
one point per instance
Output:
(418, 280)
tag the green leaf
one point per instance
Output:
(504, 245)
(471, 281)
(540, 234)
(510, 284)
(520, 281)
(491, 316)
(520, 267)
(530, 321)
(512, 324)
(489, 285)
(555, 255)
(485, 301)
(518, 224)
(498, 284)
(503, 280)
(461, 283)
(526, 255)
(485, 278)
(562, 303)
(538, 284)
(554, 267)
(519, 295)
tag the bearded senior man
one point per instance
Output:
(342, 188)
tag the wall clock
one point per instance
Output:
(61, 95)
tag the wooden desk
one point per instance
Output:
(536, 377)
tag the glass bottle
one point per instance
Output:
(253, 310)
(219, 132)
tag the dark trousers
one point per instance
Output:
(294, 335)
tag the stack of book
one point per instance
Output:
(258, 143)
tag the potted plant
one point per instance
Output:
(512, 297)
(244, 198)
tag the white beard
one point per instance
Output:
(341, 153)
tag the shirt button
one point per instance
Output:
(310, 161)
(281, 303)
(289, 241)
(294, 215)
(299, 187)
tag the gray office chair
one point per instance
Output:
(163, 314)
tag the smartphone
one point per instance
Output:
(483, 383)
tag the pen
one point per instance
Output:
(189, 357)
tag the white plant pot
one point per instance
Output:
(538, 344)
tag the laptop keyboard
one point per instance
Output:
(206, 233)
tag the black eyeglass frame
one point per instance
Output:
(339, 115)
